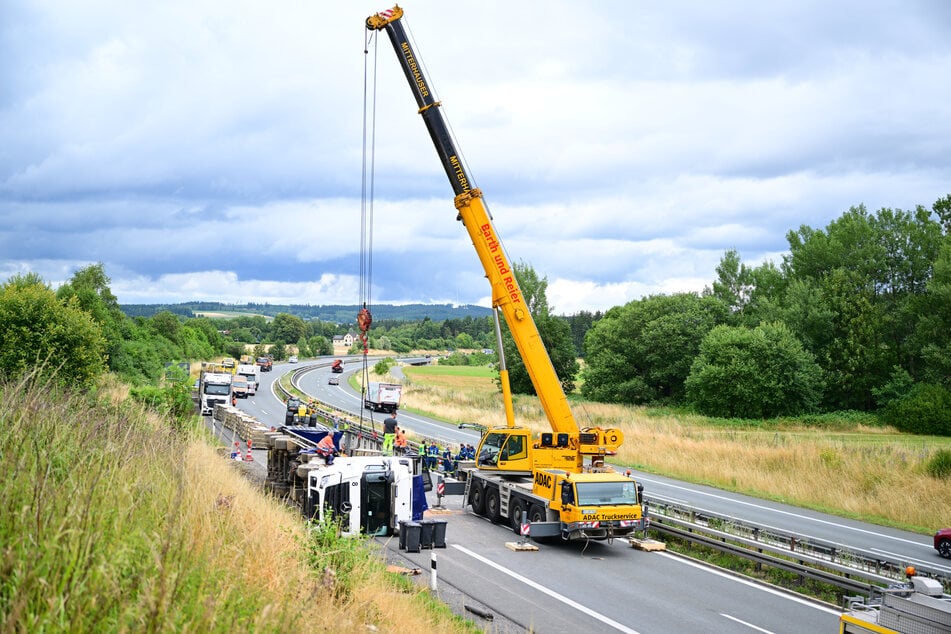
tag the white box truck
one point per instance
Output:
(383, 397)
(250, 372)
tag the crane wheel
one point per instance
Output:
(477, 499)
(515, 516)
(493, 509)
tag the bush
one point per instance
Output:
(939, 465)
(925, 410)
(898, 386)
(383, 366)
(761, 372)
(174, 400)
(456, 358)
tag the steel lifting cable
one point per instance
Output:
(364, 318)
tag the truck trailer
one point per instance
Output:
(382, 397)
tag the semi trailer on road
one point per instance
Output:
(382, 397)
(370, 495)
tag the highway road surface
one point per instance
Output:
(603, 586)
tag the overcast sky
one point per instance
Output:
(213, 150)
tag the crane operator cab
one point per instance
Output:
(505, 450)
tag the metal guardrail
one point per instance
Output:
(831, 563)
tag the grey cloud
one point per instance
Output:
(622, 148)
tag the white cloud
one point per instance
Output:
(224, 286)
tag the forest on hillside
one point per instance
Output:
(332, 313)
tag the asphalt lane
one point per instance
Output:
(597, 586)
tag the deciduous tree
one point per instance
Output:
(40, 331)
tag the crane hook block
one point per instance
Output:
(364, 319)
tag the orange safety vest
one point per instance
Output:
(326, 445)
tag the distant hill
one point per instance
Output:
(334, 313)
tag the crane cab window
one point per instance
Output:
(515, 448)
(489, 451)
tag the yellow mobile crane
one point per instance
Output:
(545, 478)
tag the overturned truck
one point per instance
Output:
(370, 494)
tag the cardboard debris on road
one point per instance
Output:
(519, 546)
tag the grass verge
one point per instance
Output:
(112, 521)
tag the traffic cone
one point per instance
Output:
(249, 457)
(236, 452)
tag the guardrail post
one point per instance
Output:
(759, 565)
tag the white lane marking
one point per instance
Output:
(751, 584)
(742, 622)
(797, 515)
(549, 592)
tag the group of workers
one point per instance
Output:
(434, 457)
(444, 460)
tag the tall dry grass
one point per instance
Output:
(871, 474)
(110, 521)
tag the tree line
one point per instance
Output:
(332, 313)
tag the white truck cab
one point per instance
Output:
(369, 494)
(214, 389)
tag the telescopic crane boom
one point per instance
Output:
(506, 294)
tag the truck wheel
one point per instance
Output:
(492, 508)
(536, 514)
(515, 516)
(477, 499)
(944, 548)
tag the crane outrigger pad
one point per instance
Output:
(520, 546)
